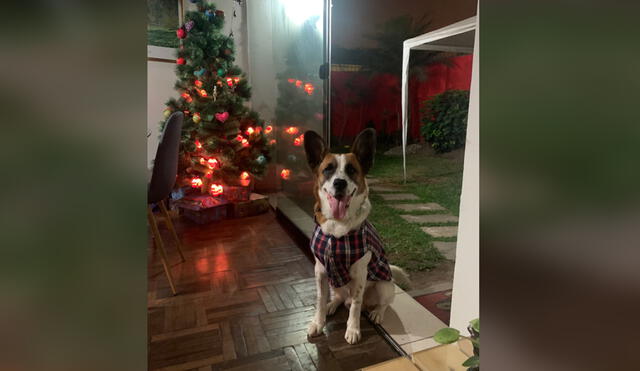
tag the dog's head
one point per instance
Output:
(340, 186)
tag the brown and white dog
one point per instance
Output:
(342, 206)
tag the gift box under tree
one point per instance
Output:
(203, 209)
(257, 204)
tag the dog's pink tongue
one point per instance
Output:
(338, 207)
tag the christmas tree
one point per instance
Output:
(223, 143)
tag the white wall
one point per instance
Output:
(161, 76)
(465, 303)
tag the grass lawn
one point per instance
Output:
(431, 178)
(162, 37)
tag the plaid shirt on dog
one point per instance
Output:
(338, 254)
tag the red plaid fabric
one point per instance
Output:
(338, 254)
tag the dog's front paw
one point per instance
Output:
(352, 335)
(376, 316)
(314, 329)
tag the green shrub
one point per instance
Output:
(444, 120)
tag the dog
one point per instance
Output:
(348, 252)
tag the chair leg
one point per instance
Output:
(169, 223)
(158, 241)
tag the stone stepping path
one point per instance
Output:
(429, 206)
(430, 218)
(447, 249)
(392, 192)
(449, 231)
(399, 197)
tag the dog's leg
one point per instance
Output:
(385, 293)
(358, 272)
(322, 294)
(338, 298)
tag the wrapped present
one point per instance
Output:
(257, 204)
(203, 209)
(237, 193)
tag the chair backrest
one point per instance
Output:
(165, 165)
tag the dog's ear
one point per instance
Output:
(314, 148)
(364, 147)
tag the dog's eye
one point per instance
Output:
(350, 170)
(328, 170)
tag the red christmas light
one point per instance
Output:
(208, 175)
(239, 138)
(198, 83)
(213, 163)
(292, 130)
(250, 130)
(285, 174)
(216, 189)
(236, 80)
(244, 175)
(308, 87)
(245, 143)
(272, 142)
(298, 83)
(203, 161)
(196, 117)
(291, 81)
(186, 96)
(203, 93)
(198, 144)
(245, 179)
(181, 33)
(229, 81)
(181, 61)
(298, 141)
(196, 182)
(268, 129)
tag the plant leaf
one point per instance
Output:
(475, 324)
(446, 335)
(473, 361)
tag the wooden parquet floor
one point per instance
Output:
(246, 296)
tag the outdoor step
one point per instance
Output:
(381, 189)
(447, 249)
(441, 231)
(429, 206)
(399, 197)
(430, 218)
(371, 181)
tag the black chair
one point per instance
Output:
(163, 178)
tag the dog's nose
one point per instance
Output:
(339, 185)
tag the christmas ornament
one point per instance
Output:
(285, 174)
(166, 112)
(189, 25)
(261, 159)
(268, 129)
(222, 117)
(196, 118)
(219, 13)
(198, 83)
(220, 71)
(215, 93)
(196, 182)
(292, 158)
(181, 61)
(209, 14)
(181, 33)
(216, 189)
(292, 130)
(200, 72)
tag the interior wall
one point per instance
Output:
(465, 302)
(161, 76)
